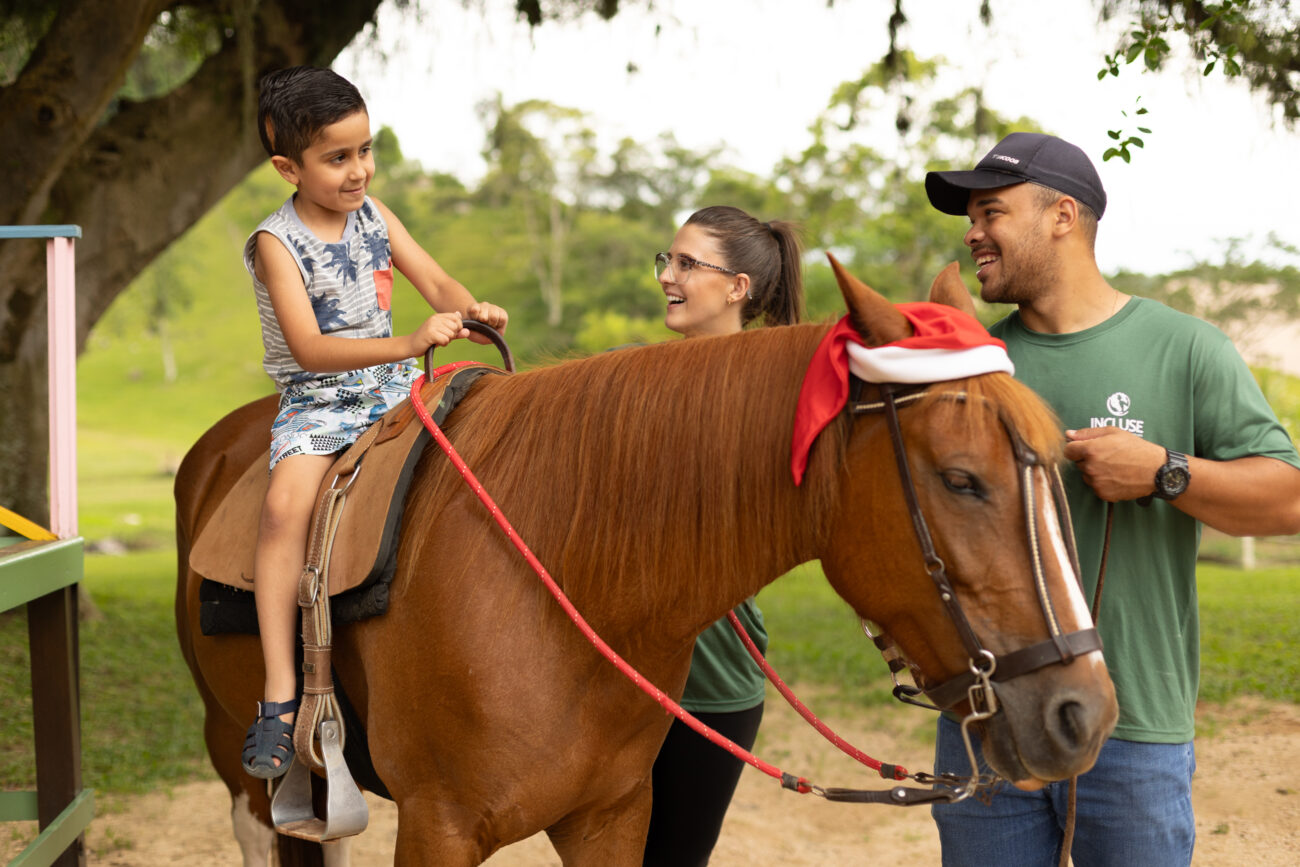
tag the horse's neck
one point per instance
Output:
(711, 507)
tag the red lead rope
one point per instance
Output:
(889, 772)
(789, 781)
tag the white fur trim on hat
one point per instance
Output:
(891, 363)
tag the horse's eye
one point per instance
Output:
(962, 482)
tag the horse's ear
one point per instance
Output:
(948, 289)
(875, 317)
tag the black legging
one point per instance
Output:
(693, 784)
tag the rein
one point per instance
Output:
(976, 683)
(1072, 798)
(985, 667)
(899, 795)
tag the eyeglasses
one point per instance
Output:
(682, 266)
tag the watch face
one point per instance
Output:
(1173, 480)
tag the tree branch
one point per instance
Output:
(62, 92)
(135, 183)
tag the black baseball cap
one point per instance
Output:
(1021, 156)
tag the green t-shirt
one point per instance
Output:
(724, 677)
(1179, 382)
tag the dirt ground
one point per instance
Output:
(1247, 801)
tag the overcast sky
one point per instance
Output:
(752, 74)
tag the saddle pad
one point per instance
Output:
(381, 464)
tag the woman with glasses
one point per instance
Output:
(724, 270)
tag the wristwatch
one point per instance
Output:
(1171, 479)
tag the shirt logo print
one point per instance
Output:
(1118, 406)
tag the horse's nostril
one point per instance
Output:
(1072, 722)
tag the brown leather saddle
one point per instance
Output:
(373, 475)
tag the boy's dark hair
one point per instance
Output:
(295, 104)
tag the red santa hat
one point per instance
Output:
(946, 344)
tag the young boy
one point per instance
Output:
(322, 270)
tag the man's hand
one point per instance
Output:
(1116, 464)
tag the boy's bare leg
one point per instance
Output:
(281, 549)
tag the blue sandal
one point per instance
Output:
(269, 738)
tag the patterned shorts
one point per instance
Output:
(325, 415)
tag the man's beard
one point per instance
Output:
(1032, 274)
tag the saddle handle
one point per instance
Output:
(487, 331)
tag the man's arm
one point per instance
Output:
(1249, 496)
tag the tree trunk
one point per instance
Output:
(24, 430)
(133, 182)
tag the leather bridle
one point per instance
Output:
(985, 668)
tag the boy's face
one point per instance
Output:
(334, 173)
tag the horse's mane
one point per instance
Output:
(1018, 407)
(667, 460)
(642, 462)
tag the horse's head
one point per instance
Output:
(963, 552)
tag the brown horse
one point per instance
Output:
(655, 485)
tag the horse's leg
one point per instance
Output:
(252, 834)
(433, 833)
(250, 808)
(610, 836)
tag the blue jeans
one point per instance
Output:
(1133, 807)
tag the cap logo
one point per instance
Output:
(1012, 160)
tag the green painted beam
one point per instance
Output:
(30, 570)
(59, 834)
(17, 806)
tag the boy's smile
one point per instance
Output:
(333, 174)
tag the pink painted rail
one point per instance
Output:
(44, 574)
(60, 267)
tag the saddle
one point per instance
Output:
(370, 480)
(353, 547)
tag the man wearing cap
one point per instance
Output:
(1164, 420)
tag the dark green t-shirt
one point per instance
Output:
(1179, 382)
(724, 677)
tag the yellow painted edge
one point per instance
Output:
(24, 527)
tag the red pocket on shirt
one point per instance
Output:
(384, 288)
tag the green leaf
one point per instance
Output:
(1134, 140)
(1133, 51)
(1110, 152)
(1144, 129)
(1209, 67)
(1124, 155)
(1114, 133)
(1142, 110)
(1101, 73)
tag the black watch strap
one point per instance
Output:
(1171, 479)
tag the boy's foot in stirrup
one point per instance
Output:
(268, 746)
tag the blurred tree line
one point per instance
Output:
(562, 232)
(109, 107)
